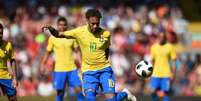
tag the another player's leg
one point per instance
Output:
(90, 85)
(60, 95)
(75, 82)
(154, 96)
(8, 89)
(108, 85)
(59, 81)
(80, 96)
(155, 84)
(165, 88)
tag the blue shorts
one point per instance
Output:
(61, 78)
(103, 79)
(7, 87)
(160, 83)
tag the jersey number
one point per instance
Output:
(92, 47)
(111, 83)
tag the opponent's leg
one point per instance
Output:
(75, 82)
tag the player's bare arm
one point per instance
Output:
(44, 61)
(174, 68)
(14, 72)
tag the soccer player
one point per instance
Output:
(162, 54)
(96, 69)
(8, 81)
(65, 69)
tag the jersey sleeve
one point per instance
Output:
(9, 49)
(107, 36)
(50, 45)
(71, 33)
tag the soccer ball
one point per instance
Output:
(144, 69)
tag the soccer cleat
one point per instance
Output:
(130, 96)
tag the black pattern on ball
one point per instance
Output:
(146, 62)
(150, 69)
(144, 73)
(138, 67)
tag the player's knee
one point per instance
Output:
(109, 96)
(78, 89)
(90, 95)
(163, 93)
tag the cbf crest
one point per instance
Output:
(101, 39)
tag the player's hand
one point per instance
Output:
(52, 30)
(14, 82)
(42, 70)
(46, 27)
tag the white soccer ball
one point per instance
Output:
(144, 69)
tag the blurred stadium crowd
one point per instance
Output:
(134, 27)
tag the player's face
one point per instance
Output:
(1, 33)
(162, 37)
(93, 23)
(62, 26)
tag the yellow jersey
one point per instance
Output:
(63, 50)
(93, 47)
(6, 54)
(162, 55)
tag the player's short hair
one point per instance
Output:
(93, 13)
(1, 26)
(61, 19)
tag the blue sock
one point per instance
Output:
(90, 96)
(80, 96)
(166, 98)
(154, 97)
(59, 97)
(120, 96)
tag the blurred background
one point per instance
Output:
(134, 25)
